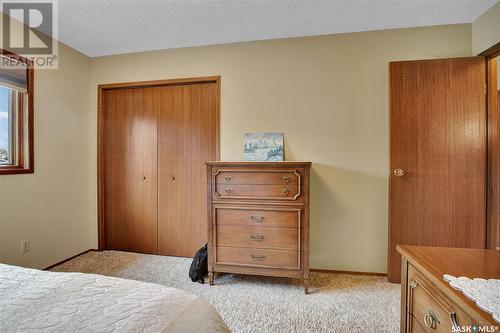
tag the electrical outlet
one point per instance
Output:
(25, 246)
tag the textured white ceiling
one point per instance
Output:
(105, 27)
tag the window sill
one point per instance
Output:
(13, 170)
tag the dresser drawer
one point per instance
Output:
(259, 192)
(257, 177)
(433, 311)
(258, 237)
(264, 217)
(258, 257)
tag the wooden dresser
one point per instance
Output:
(258, 219)
(429, 303)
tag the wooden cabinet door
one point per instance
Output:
(437, 186)
(187, 138)
(130, 169)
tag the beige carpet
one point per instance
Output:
(340, 303)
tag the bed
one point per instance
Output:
(34, 300)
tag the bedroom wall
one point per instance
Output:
(51, 207)
(486, 33)
(329, 95)
(486, 30)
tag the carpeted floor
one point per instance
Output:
(339, 302)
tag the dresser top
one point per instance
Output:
(471, 263)
(261, 164)
(434, 262)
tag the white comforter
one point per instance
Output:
(33, 300)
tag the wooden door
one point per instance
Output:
(130, 169)
(437, 186)
(187, 129)
(495, 239)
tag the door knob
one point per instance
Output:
(143, 177)
(172, 178)
(399, 172)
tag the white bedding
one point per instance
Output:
(33, 300)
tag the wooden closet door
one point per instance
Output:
(437, 191)
(187, 138)
(130, 169)
(496, 164)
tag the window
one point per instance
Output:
(16, 114)
(5, 126)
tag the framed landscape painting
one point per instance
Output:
(263, 147)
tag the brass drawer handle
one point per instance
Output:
(228, 178)
(229, 190)
(257, 237)
(286, 191)
(453, 319)
(430, 320)
(286, 179)
(257, 256)
(255, 218)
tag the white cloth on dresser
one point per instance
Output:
(486, 293)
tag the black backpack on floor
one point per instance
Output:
(199, 266)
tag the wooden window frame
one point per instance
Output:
(23, 139)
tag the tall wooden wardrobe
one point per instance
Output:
(154, 138)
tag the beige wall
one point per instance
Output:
(329, 96)
(486, 30)
(51, 207)
(486, 33)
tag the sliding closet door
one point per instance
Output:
(438, 140)
(130, 169)
(187, 138)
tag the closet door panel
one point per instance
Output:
(203, 122)
(172, 172)
(187, 139)
(130, 185)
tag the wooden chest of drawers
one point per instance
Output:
(429, 303)
(258, 219)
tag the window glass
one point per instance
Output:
(6, 148)
(16, 117)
